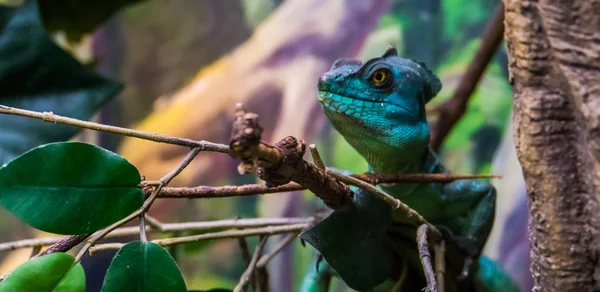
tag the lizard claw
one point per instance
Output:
(465, 270)
(466, 246)
(319, 260)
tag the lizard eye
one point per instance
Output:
(379, 77)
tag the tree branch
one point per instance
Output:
(282, 163)
(57, 119)
(209, 192)
(439, 250)
(269, 230)
(62, 244)
(425, 257)
(555, 72)
(245, 278)
(264, 260)
(452, 110)
(251, 267)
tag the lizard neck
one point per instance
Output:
(399, 162)
(428, 162)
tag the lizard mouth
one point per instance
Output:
(354, 106)
(342, 108)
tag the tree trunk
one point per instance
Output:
(554, 63)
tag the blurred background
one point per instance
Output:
(185, 63)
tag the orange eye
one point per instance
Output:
(379, 76)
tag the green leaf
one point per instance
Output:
(76, 17)
(353, 240)
(53, 272)
(70, 187)
(36, 74)
(140, 266)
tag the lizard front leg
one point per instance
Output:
(470, 229)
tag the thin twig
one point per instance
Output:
(425, 257)
(101, 233)
(163, 227)
(316, 157)
(57, 119)
(264, 260)
(251, 267)
(209, 192)
(439, 250)
(245, 251)
(270, 230)
(164, 181)
(384, 178)
(452, 110)
(395, 203)
(152, 222)
(13, 245)
(64, 244)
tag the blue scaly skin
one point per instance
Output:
(379, 108)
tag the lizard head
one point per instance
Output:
(379, 106)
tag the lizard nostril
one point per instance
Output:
(323, 83)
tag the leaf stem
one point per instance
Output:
(143, 237)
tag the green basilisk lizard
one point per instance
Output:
(379, 108)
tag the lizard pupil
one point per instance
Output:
(378, 77)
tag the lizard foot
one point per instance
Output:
(467, 247)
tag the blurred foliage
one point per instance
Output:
(36, 74)
(157, 47)
(256, 11)
(76, 18)
(488, 110)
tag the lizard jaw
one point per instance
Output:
(342, 110)
(354, 107)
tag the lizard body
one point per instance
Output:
(379, 108)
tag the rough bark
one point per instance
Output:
(554, 63)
